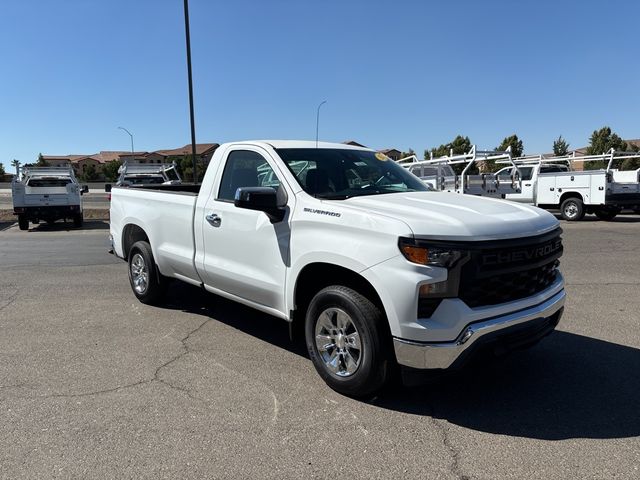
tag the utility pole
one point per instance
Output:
(131, 135)
(193, 126)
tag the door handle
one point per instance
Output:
(214, 219)
(527, 184)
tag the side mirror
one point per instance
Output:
(85, 189)
(107, 187)
(263, 199)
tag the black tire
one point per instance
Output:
(150, 290)
(374, 360)
(23, 222)
(607, 214)
(572, 209)
(78, 220)
(636, 210)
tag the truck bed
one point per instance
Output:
(165, 213)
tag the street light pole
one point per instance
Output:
(193, 126)
(131, 135)
(318, 120)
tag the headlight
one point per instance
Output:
(430, 295)
(428, 255)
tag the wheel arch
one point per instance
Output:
(315, 276)
(131, 234)
(572, 194)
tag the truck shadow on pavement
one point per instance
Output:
(593, 219)
(272, 330)
(66, 227)
(568, 386)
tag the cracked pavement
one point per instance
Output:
(94, 384)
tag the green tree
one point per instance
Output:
(184, 165)
(41, 161)
(408, 153)
(631, 163)
(2, 172)
(560, 147)
(517, 148)
(458, 145)
(15, 163)
(602, 141)
(110, 170)
(90, 173)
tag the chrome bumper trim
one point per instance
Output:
(444, 354)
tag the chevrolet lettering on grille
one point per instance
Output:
(522, 254)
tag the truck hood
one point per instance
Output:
(452, 216)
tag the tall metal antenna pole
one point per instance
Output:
(318, 120)
(193, 126)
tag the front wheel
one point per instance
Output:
(572, 209)
(347, 341)
(147, 283)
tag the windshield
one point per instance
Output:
(525, 173)
(338, 174)
(49, 182)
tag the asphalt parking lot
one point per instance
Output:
(94, 384)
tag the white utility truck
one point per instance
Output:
(47, 193)
(349, 247)
(551, 183)
(438, 173)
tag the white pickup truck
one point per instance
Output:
(47, 193)
(439, 174)
(551, 183)
(350, 247)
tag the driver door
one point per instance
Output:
(245, 254)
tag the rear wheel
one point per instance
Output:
(146, 281)
(23, 222)
(607, 213)
(572, 209)
(77, 220)
(347, 341)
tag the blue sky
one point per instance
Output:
(405, 74)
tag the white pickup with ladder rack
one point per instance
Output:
(445, 179)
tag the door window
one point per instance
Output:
(245, 168)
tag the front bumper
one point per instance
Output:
(518, 327)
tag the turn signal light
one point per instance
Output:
(415, 254)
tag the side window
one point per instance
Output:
(245, 168)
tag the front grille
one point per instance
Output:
(507, 287)
(510, 271)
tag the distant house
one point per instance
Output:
(204, 151)
(353, 143)
(392, 153)
(80, 163)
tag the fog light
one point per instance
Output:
(431, 289)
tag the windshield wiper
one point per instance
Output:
(332, 197)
